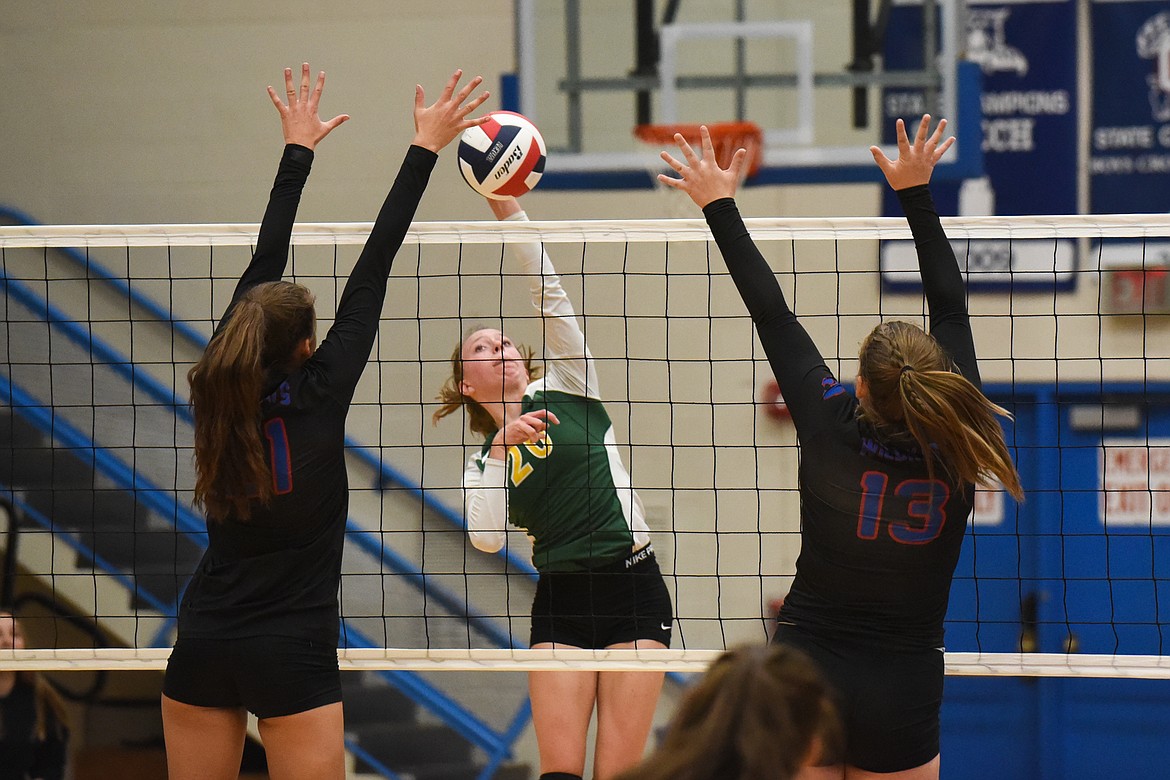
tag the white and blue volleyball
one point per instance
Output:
(502, 158)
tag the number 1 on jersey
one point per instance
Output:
(280, 459)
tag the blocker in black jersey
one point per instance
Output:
(879, 537)
(277, 574)
(259, 621)
(881, 525)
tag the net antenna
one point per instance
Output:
(726, 139)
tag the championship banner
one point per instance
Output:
(1129, 145)
(1027, 54)
(1130, 141)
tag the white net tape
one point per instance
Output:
(521, 660)
(620, 231)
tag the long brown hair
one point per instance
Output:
(452, 398)
(761, 712)
(258, 341)
(913, 386)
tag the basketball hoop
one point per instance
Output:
(726, 138)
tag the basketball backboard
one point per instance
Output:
(808, 74)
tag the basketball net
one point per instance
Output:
(726, 139)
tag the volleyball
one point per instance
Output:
(503, 157)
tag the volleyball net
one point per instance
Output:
(102, 323)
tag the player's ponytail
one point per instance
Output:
(912, 385)
(258, 341)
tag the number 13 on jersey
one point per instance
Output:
(926, 501)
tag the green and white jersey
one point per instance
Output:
(570, 492)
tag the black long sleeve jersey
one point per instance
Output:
(279, 572)
(879, 537)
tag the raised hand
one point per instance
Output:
(703, 179)
(915, 162)
(436, 125)
(299, 117)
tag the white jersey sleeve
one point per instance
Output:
(568, 364)
(485, 503)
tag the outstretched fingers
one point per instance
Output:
(449, 88)
(705, 140)
(903, 140)
(942, 149)
(702, 178)
(276, 101)
(670, 181)
(474, 103)
(673, 163)
(678, 167)
(923, 128)
(304, 94)
(687, 151)
(289, 90)
(315, 97)
(469, 88)
(334, 122)
(436, 125)
(298, 116)
(916, 160)
(936, 148)
(879, 157)
(738, 160)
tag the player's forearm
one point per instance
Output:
(942, 282)
(276, 228)
(749, 270)
(485, 506)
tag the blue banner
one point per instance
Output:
(1130, 142)
(1027, 54)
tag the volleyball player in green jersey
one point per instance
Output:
(549, 465)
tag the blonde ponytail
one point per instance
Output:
(912, 385)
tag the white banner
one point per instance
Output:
(1135, 482)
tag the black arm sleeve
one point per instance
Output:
(271, 255)
(946, 295)
(344, 351)
(805, 381)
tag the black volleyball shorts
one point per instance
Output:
(889, 701)
(619, 602)
(268, 676)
